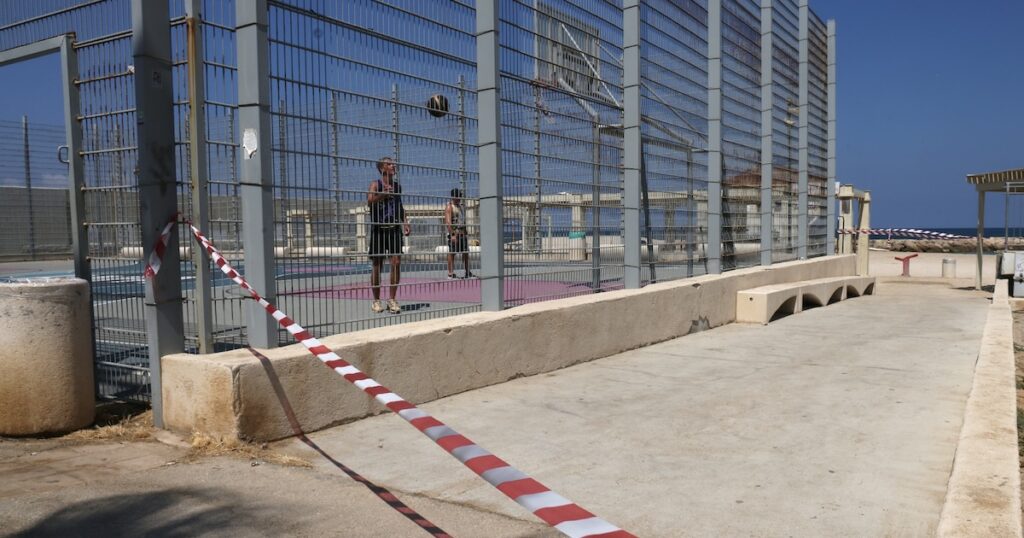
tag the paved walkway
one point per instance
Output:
(841, 421)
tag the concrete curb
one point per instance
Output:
(983, 496)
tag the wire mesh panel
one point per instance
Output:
(561, 89)
(817, 140)
(107, 121)
(673, 90)
(785, 113)
(352, 84)
(374, 138)
(107, 92)
(741, 128)
(220, 107)
(34, 223)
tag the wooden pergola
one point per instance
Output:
(1007, 181)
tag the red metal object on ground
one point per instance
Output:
(906, 263)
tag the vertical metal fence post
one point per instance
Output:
(691, 210)
(462, 134)
(595, 208)
(632, 144)
(538, 191)
(198, 170)
(282, 167)
(120, 235)
(335, 168)
(492, 262)
(256, 178)
(395, 125)
(802, 126)
(767, 127)
(830, 223)
(76, 167)
(713, 248)
(158, 193)
(28, 188)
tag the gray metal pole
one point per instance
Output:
(595, 209)
(198, 171)
(802, 122)
(76, 167)
(256, 177)
(713, 249)
(28, 188)
(282, 165)
(1006, 218)
(632, 143)
(767, 128)
(691, 235)
(158, 193)
(462, 134)
(395, 125)
(121, 236)
(492, 262)
(830, 231)
(538, 189)
(336, 168)
(981, 239)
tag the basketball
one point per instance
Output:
(437, 105)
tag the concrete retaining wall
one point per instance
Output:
(983, 496)
(229, 393)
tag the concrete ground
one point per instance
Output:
(840, 421)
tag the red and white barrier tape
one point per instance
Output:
(157, 256)
(561, 513)
(903, 232)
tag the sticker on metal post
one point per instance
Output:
(249, 142)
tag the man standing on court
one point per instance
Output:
(388, 225)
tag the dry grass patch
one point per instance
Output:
(137, 427)
(204, 445)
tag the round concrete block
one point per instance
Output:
(46, 362)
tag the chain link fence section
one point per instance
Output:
(561, 95)
(741, 134)
(674, 112)
(352, 83)
(817, 140)
(34, 211)
(785, 114)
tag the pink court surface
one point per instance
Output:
(461, 291)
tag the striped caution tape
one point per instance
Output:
(389, 498)
(903, 232)
(555, 510)
(156, 257)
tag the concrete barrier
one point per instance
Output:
(983, 494)
(46, 363)
(228, 394)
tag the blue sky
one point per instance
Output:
(929, 91)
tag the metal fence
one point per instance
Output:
(33, 192)
(282, 110)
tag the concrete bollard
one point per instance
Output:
(948, 268)
(46, 359)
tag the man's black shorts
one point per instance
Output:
(385, 240)
(457, 242)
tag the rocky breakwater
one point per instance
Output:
(963, 246)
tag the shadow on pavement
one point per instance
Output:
(169, 513)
